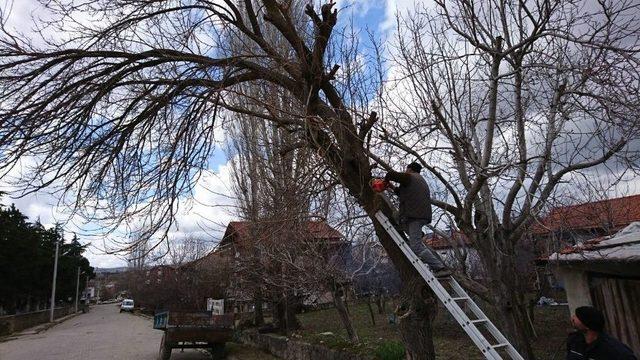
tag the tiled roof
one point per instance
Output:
(438, 242)
(318, 230)
(613, 214)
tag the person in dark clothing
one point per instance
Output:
(590, 342)
(415, 212)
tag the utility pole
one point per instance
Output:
(53, 286)
(77, 288)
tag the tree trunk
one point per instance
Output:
(373, 317)
(258, 316)
(513, 315)
(344, 315)
(508, 292)
(381, 303)
(284, 314)
(417, 309)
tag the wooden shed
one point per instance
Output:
(605, 273)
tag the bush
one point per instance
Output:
(390, 350)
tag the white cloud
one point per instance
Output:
(210, 210)
(394, 7)
(205, 215)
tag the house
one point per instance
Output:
(240, 232)
(572, 225)
(159, 274)
(456, 250)
(569, 225)
(244, 240)
(605, 272)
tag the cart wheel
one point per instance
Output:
(218, 351)
(165, 349)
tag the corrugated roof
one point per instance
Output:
(613, 214)
(623, 246)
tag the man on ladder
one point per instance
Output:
(414, 213)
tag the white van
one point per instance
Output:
(126, 305)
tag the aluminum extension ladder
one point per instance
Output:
(471, 327)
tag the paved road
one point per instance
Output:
(103, 333)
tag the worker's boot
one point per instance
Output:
(442, 272)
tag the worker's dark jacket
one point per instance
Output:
(604, 348)
(414, 196)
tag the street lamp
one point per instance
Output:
(53, 286)
(78, 287)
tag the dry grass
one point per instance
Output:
(551, 323)
(245, 352)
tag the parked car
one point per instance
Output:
(126, 305)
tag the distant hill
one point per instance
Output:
(114, 270)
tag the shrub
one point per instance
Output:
(390, 350)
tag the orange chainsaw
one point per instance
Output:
(379, 185)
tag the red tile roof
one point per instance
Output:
(318, 230)
(438, 242)
(613, 214)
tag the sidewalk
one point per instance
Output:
(38, 328)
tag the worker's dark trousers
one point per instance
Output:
(413, 228)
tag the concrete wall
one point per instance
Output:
(12, 323)
(286, 348)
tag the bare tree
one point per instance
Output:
(280, 187)
(185, 250)
(138, 254)
(273, 183)
(502, 102)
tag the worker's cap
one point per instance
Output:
(415, 167)
(590, 317)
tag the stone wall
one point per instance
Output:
(286, 348)
(12, 323)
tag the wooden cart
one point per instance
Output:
(199, 329)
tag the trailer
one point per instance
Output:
(193, 329)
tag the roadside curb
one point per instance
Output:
(55, 322)
(142, 315)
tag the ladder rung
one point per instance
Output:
(479, 321)
(461, 298)
(500, 345)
